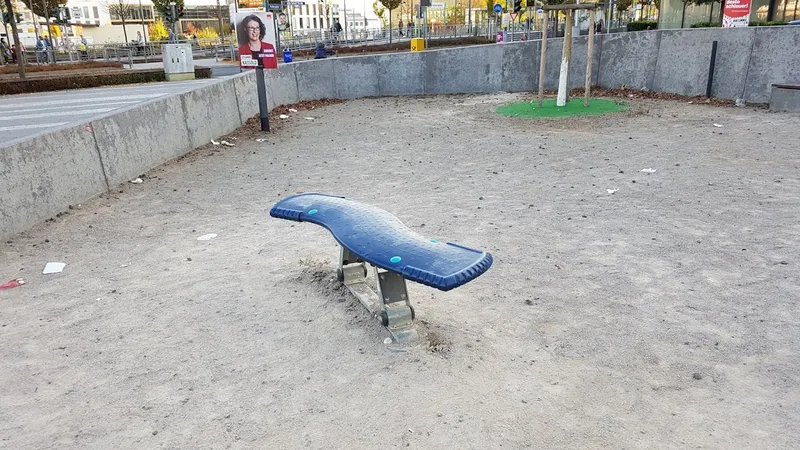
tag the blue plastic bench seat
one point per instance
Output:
(381, 239)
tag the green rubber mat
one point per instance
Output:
(574, 107)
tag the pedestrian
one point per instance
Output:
(337, 28)
(410, 27)
(41, 50)
(5, 53)
(400, 26)
(171, 38)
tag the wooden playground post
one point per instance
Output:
(589, 48)
(542, 61)
(563, 74)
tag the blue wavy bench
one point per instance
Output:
(371, 235)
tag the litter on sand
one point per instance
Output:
(227, 143)
(309, 118)
(718, 125)
(137, 181)
(12, 284)
(648, 170)
(207, 237)
(214, 142)
(261, 140)
(292, 110)
(611, 191)
(283, 116)
(53, 267)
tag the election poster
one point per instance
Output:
(255, 32)
(736, 13)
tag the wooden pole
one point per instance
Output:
(542, 62)
(588, 86)
(563, 76)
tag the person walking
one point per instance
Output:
(400, 27)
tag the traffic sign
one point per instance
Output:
(497, 8)
(513, 17)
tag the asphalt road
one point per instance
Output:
(28, 114)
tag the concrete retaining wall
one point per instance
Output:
(43, 175)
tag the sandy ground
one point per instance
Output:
(663, 315)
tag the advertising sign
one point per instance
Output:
(255, 32)
(736, 13)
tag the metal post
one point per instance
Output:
(711, 68)
(262, 99)
(469, 14)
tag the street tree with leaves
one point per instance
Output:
(390, 5)
(43, 8)
(121, 10)
(162, 6)
(379, 11)
(9, 7)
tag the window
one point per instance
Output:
(315, 22)
(301, 22)
(134, 14)
(96, 16)
(76, 13)
(86, 12)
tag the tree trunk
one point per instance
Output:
(17, 44)
(390, 26)
(721, 9)
(50, 38)
(710, 12)
(124, 31)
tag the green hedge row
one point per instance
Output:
(752, 24)
(641, 25)
(8, 87)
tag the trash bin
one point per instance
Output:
(287, 56)
(417, 44)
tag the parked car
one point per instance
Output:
(794, 22)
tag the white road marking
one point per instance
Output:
(51, 108)
(28, 127)
(58, 114)
(81, 100)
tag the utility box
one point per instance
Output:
(178, 62)
(417, 44)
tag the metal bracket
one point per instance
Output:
(390, 304)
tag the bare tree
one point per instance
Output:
(122, 10)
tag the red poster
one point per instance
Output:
(736, 13)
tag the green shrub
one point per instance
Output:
(641, 25)
(752, 24)
(766, 24)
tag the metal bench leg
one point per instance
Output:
(396, 312)
(390, 304)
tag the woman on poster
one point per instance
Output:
(254, 44)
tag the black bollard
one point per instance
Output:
(262, 99)
(711, 69)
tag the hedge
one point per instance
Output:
(641, 25)
(752, 24)
(81, 81)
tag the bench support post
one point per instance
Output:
(390, 304)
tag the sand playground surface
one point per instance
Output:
(625, 308)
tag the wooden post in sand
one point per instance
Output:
(563, 74)
(590, 47)
(543, 60)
